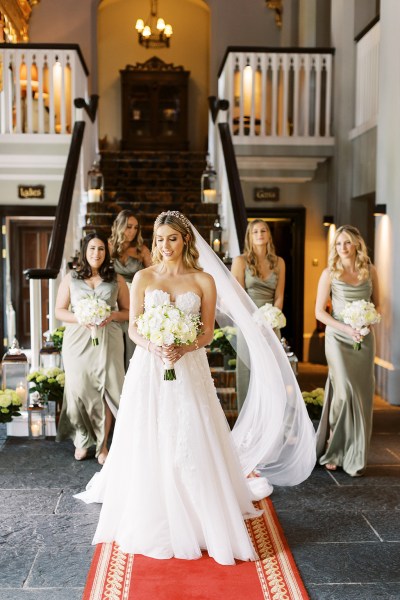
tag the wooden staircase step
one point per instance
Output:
(113, 208)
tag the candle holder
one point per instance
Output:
(216, 237)
(36, 422)
(95, 184)
(209, 184)
(15, 368)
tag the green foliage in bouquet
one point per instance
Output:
(10, 405)
(57, 336)
(49, 383)
(314, 402)
(221, 341)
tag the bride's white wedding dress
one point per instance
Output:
(172, 484)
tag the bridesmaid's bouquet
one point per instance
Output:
(92, 311)
(360, 315)
(272, 315)
(167, 325)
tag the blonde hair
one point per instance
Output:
(362, 261)
(181, 224)
(117, 238)
(250, 256)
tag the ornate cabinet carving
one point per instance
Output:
(154, 106)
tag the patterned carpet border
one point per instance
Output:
(110, 574)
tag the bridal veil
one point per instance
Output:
(273, 432)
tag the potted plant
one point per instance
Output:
(223, 341)
(314, 402)
(49, 386)
(10, 405)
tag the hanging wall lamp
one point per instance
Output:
(328, 220)
(379, 210)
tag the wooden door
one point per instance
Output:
(28, 244)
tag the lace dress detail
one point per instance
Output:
(172, 484)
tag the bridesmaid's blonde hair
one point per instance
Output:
(250, 256)
(181, 224)
(363, 261)
(117, 239)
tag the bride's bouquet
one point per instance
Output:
(166, 325)
(360, 315)
(92, 311)
(272, 315)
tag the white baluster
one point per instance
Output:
(317, 125)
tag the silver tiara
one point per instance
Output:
(173, 213)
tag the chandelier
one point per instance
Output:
(153, 33)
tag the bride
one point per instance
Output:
(174, 481)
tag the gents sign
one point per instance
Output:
(31, 191)
(269, 194)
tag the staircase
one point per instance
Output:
(148, 183)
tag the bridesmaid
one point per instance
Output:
(344, 432)
(262, 274)
(130, 255)
(94, 375)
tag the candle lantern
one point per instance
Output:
(95, 183)
(36, 421)
(292, 358)
(15, 368)
(216, 236)
(209, 184)
(49, 356)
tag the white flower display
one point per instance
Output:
(92, 311)
(360, 315)
(272, 315)
(166, 325)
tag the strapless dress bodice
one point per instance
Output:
(188, 302)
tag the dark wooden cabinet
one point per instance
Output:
(154, 106)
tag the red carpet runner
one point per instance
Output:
(117, 576)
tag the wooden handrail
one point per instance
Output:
(57, 241)
(235, 187)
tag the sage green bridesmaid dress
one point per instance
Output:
(128, 270)
(260, 291)
(349, 391)
(91, 372)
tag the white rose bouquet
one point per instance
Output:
(360, 315)
(272, 315)
(167, 325)
(92, 311)
(10, 405)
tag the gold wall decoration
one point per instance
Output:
(14, 16)
(277, 6)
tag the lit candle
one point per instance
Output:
(94, 195)
(210, 196)
(21, 391)
(36, 428)
(216, 245)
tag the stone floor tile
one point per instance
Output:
(376, 475)
(42, 594)
(61, 567)
(39, 531)
(362, 591)
(22, 502)
(69, 504)
(386, 524)
(16, 563)
(315, 526)
(340, 563)
(337, 498)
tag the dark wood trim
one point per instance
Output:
(49, 47)
(265, 49)
(215, 105)
(91, 108)
(15, 210)
(235, 187)
(368, 27)
(297, 214)
(57, 242)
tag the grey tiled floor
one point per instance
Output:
(344, 533)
